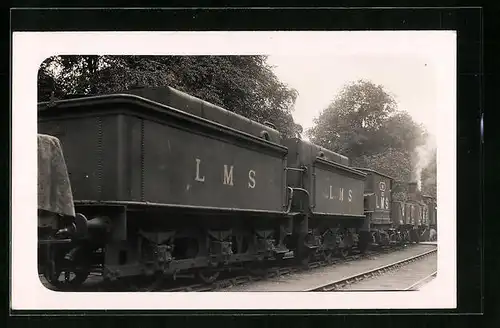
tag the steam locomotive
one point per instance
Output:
(155, 182)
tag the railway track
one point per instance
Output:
(422, 282)
(341, 283)
(274, 272)
(232, 278)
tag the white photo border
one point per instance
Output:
(30, 49)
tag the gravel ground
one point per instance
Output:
(322, 276)
(399, 279)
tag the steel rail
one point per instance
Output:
(275, 272)
(422, 281)
(369, 273)
(245, 279)
(271, 272)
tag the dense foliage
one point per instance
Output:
(243, 84)
(363, 123)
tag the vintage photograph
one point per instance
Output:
(274, 171)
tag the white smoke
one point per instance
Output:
(421, 157)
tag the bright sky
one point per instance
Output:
(319, 78)
(416, 67)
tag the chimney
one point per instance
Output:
(412, 191)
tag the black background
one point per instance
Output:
(470, 162)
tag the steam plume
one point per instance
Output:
(421, 157)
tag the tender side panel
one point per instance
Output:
(337, 191)
(433, 213)
(412, 212)
(425, 214)
(404, 212)
(408, 214)
(133, 153)
(90, 151)
(397, 213)
(380, 200)
(431, 210)
(134, 157)
(187, 168)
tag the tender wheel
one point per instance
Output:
(406, 237)
(344, 252)
(328, 256)
(208, 276)
(305, 260)
(67, 279)
(66, 274)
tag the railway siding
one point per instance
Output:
(411, 276)
(301, 281)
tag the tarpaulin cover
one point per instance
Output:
(54, 188)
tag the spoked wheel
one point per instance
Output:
(65, 274)
(65, 279)
(344, 252)
(343, 247)
(208, 276)
(328, 256)
(406, 237)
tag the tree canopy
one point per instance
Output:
(364, 123)
(242, 84)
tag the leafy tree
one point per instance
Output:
(355, 117)
(393, 162)
(48, 83)
(401, 132)
(364, 124)
(243, 84)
